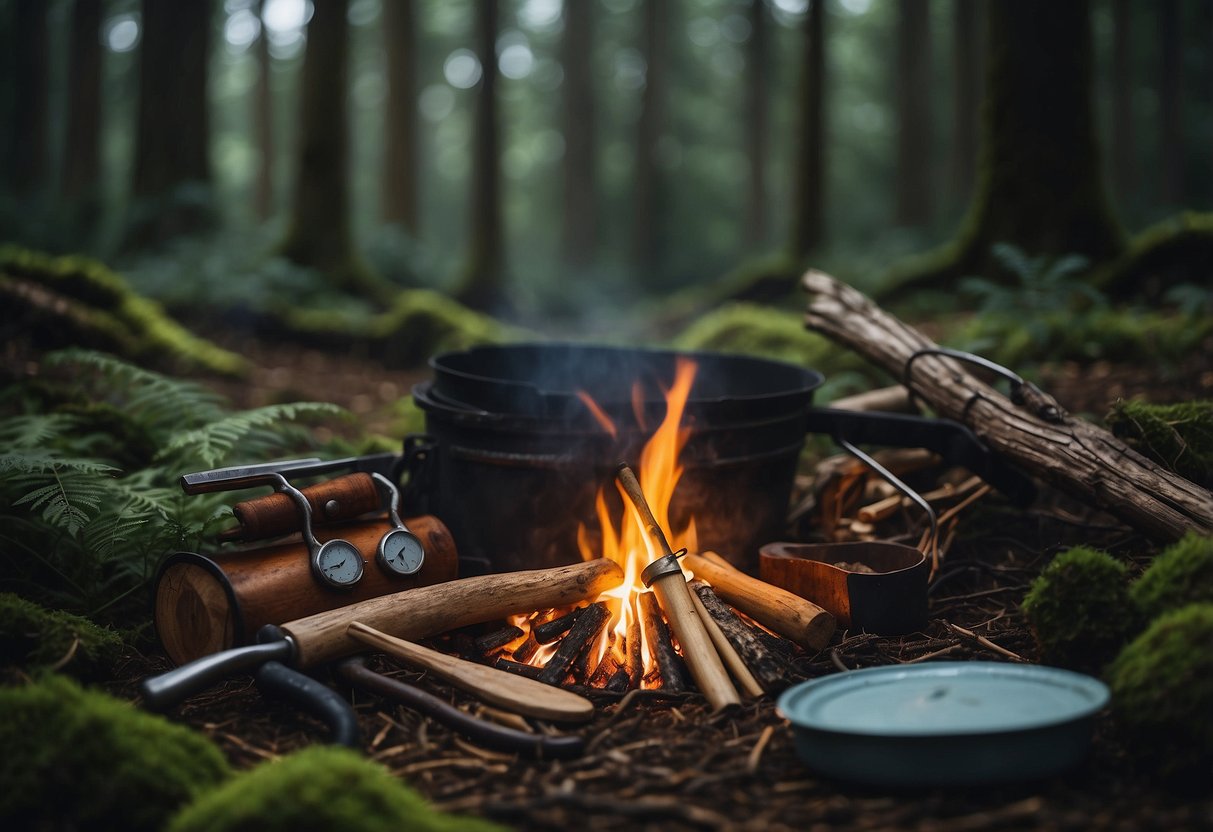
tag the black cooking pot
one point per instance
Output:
(513, 459)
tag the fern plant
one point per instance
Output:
(83, 519)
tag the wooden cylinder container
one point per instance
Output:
(208, 603)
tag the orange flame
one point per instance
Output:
(628, 544)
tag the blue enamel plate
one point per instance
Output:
(944, 723)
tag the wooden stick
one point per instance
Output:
(497, 639)
(657, 633)
(579, 639)
(1076, 456)
(671, 590)
(424, 612)
(635, 661)
(746, 683)
(781, 611)
(765, 667)
(525, 651)
(505, 690)
(549, 631)
(511, 666)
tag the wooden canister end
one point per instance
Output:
(195, 611)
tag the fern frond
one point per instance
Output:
(210, 444)
(30, 461)
(35, 430)
(69, 502)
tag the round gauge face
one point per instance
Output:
(401, 552)
(339, 563)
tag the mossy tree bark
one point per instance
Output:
(967, 57)
(25, 166)
(319, 235)
(1039, 182)
(172, 170)
(580, 233)
(648, 237)
(400, 149)
(1124, 144)
(757, 80)
(913, 84)
(263, 124)
(82, 146)
(1170, 100)
(808, 195)
(482, 286)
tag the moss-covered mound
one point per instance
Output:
(77, 759)
(320, 789)
(75, 301)
(1177, 436)
(1173, 252)
(1079, 609)
(34, 637)
(1162, 695)
(1182, 574)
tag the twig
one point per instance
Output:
(68, 656)
(984, 642)
(934, 654)
(751, 765)
(837, 660)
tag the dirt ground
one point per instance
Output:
(654, 761)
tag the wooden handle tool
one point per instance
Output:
(505, 690)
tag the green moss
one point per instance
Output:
(1162, 695)
(1182, 574)
(1079, 609)
(33, 637)
(318, 789)
(1178, 436)
(1175, 251)
(77, 759)
(75, 301)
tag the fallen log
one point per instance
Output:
(764, 666)
(1076, 456)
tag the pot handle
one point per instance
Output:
(951, 440)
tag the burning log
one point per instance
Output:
(670, 667)
(527, 650)
(549, 631)
(765, 666)
(791, 616)
(495, 640)
(605, 671)
(511, 666)
(634, 661)
(746, 683)
(579, 639)
(668, 583)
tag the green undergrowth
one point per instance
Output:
(318, 789)
(1177, 436)
(91, 450)
(1181, 574)
(78, 759)
(33, 637)
(77, 301)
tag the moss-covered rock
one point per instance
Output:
(34, 637)
(1182, 574)
(1162, 695)
(1173, 252)
(78, 759)
(321, 789)
(1178, 436)
(1079, 609)
(75, 301)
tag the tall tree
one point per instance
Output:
(1039, 183)
(1170, 97)
(483, 281)
(319, 235)
(82, 147)
(648, 238)
(580, 238)
(757, 82)
(263, 123)
(808, 196)
(966, 48)
(400, 147)
(913, 84)
(27, 164)
(1123, 150)
(172, 171)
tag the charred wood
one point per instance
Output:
(582, 634)
(495, 640)
(511, 666)
(673, 671)
(549, 631)
(766, 667)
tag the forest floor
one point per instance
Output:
(656, 762)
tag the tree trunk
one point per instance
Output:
(82, 148)
(172, 171)
(1074, 455)
(648, 218)
(757, 82)
(483, 281)
(319, 235)
(967, 35)
(809, 187)
(400, 149)
(26, 164)
(913, 84)
(580, 182)
(263, 124)
(1170, 97)
(1124, 149)
(1040, 183)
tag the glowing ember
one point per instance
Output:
(627, 544)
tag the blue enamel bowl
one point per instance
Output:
(944, 723)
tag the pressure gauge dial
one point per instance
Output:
(400, 552)
(338, 563)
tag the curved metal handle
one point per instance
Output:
(163, 691)
(277, 680)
